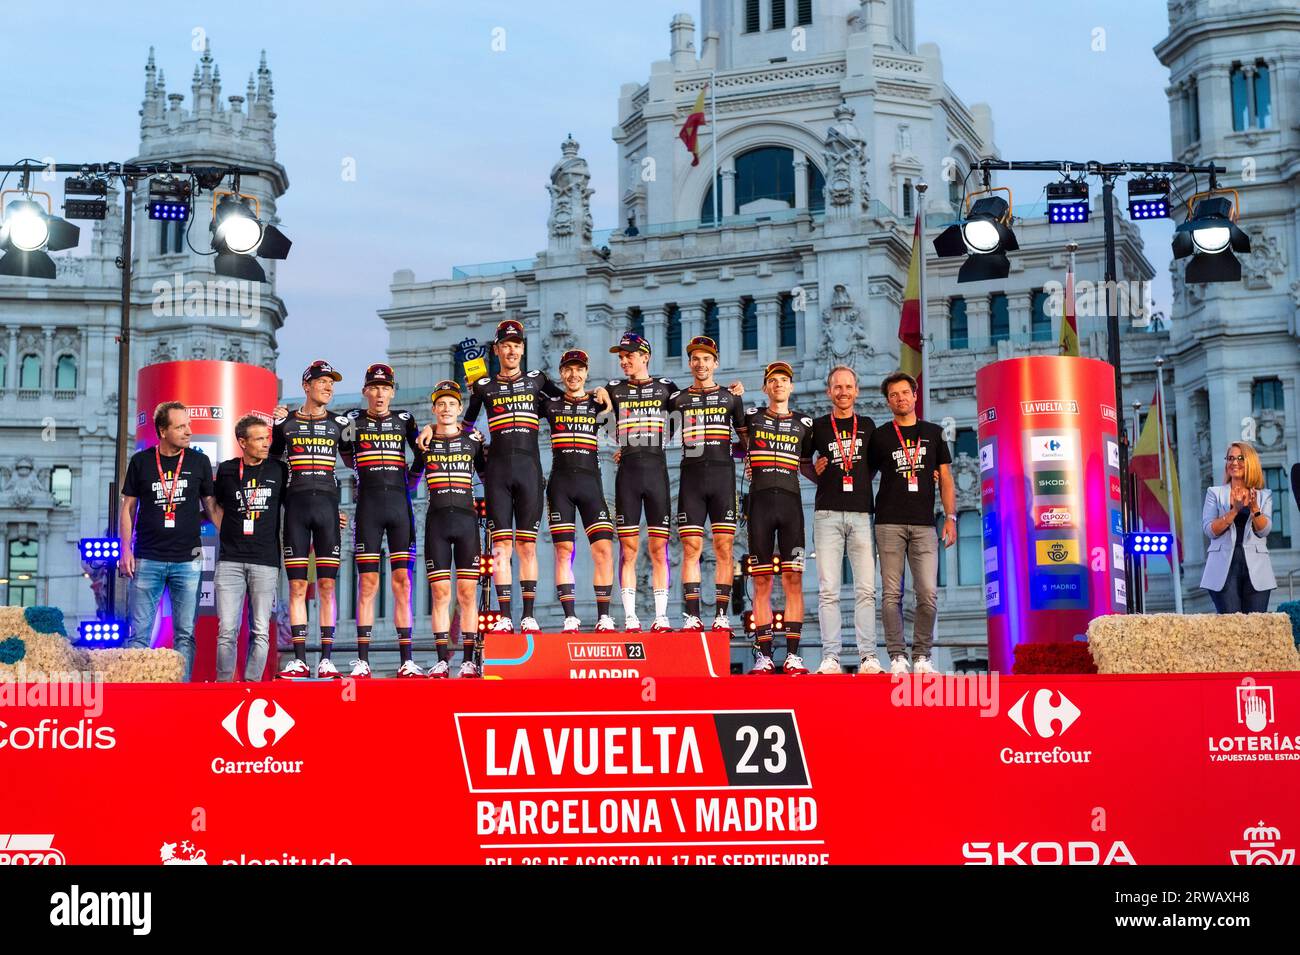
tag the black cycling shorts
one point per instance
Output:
(570, 493)
(384, 513)
(311, 523)
(513, 487)
(775, 519)
(707, 492)
(642, 485)
(451, 540)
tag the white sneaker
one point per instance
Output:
(296, 670)
(762, 664)
(830, 665)
(692, 622)
(793, 664)
(504, 625)
(605, 623)
(360, 670)
(722, 622)
(923, 665)
(469, 670)
(409, 668)
(870, 666)
(571, 625)
(898, 665)
(631, 624)
(439, 671)
(326, 670)
(661, 625)
(529, 625)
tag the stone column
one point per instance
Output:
(977, 320)
(656, 332)
(800, 181)
(692, 325)
(47, 375)
(1020, 306)
(769, 310)
(11, 376)
(728, 173)
(729, 331)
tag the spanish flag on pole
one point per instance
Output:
(690, 134)
(910, 331)
(1069, 323)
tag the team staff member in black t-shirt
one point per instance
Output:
(842, 521)
(779, 449)
(159, 526)
(249, 490)
(911, 458)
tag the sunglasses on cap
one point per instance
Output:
(702, 343)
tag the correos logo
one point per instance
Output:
(263, 723)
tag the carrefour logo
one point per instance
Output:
(1053, 447)
(263, 723)
(1046, 718)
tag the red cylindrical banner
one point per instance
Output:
(217, 394)
(1050, 486)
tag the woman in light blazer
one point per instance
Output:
(1238, 572)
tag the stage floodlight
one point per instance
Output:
(29, 233)
(238, 235)
(101, 550)
(95, 207)
(1149, 543)
(169, 198)
(102, 632)
(1148, 197)
(1067, 202)
(1211, 237)
(984, 236)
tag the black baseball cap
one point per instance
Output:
(631, 341)
(380, 374)
(510, 331)
(320, 368)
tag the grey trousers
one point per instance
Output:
(918, 545)
(836, 533)
(233, 582)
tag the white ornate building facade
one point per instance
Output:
(58, 353)
(1234, 98)
(829, 116)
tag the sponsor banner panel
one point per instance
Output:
(606, 656)
(741, 771)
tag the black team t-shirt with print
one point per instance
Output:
(255, 499)
(153, 539)
(830, 441)
(895, 504)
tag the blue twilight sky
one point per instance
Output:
(452, 141)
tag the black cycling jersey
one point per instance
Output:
(513, 406)
(309, 445)
(575, 423)
(378, 451)
(641, 409)
(778, 445)
(449, 467)
(708, 418)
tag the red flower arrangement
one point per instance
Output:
(1035, 658)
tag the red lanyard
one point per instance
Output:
(846, 457)
(911, 461)
(168, 492)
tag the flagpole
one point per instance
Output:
(1169, 488)
(921, 188)
(713, 131)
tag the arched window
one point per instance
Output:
(30, 374)
(65, 374)
(1252, 98)
(1263, 98)
(765, 183)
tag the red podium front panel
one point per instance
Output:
(606, 656)
(1050, 491)
(217, 393)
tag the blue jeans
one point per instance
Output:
(181, 580)
(1238, 594)
(836, 533)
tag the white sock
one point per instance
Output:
(629, 601)
(661, 603)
